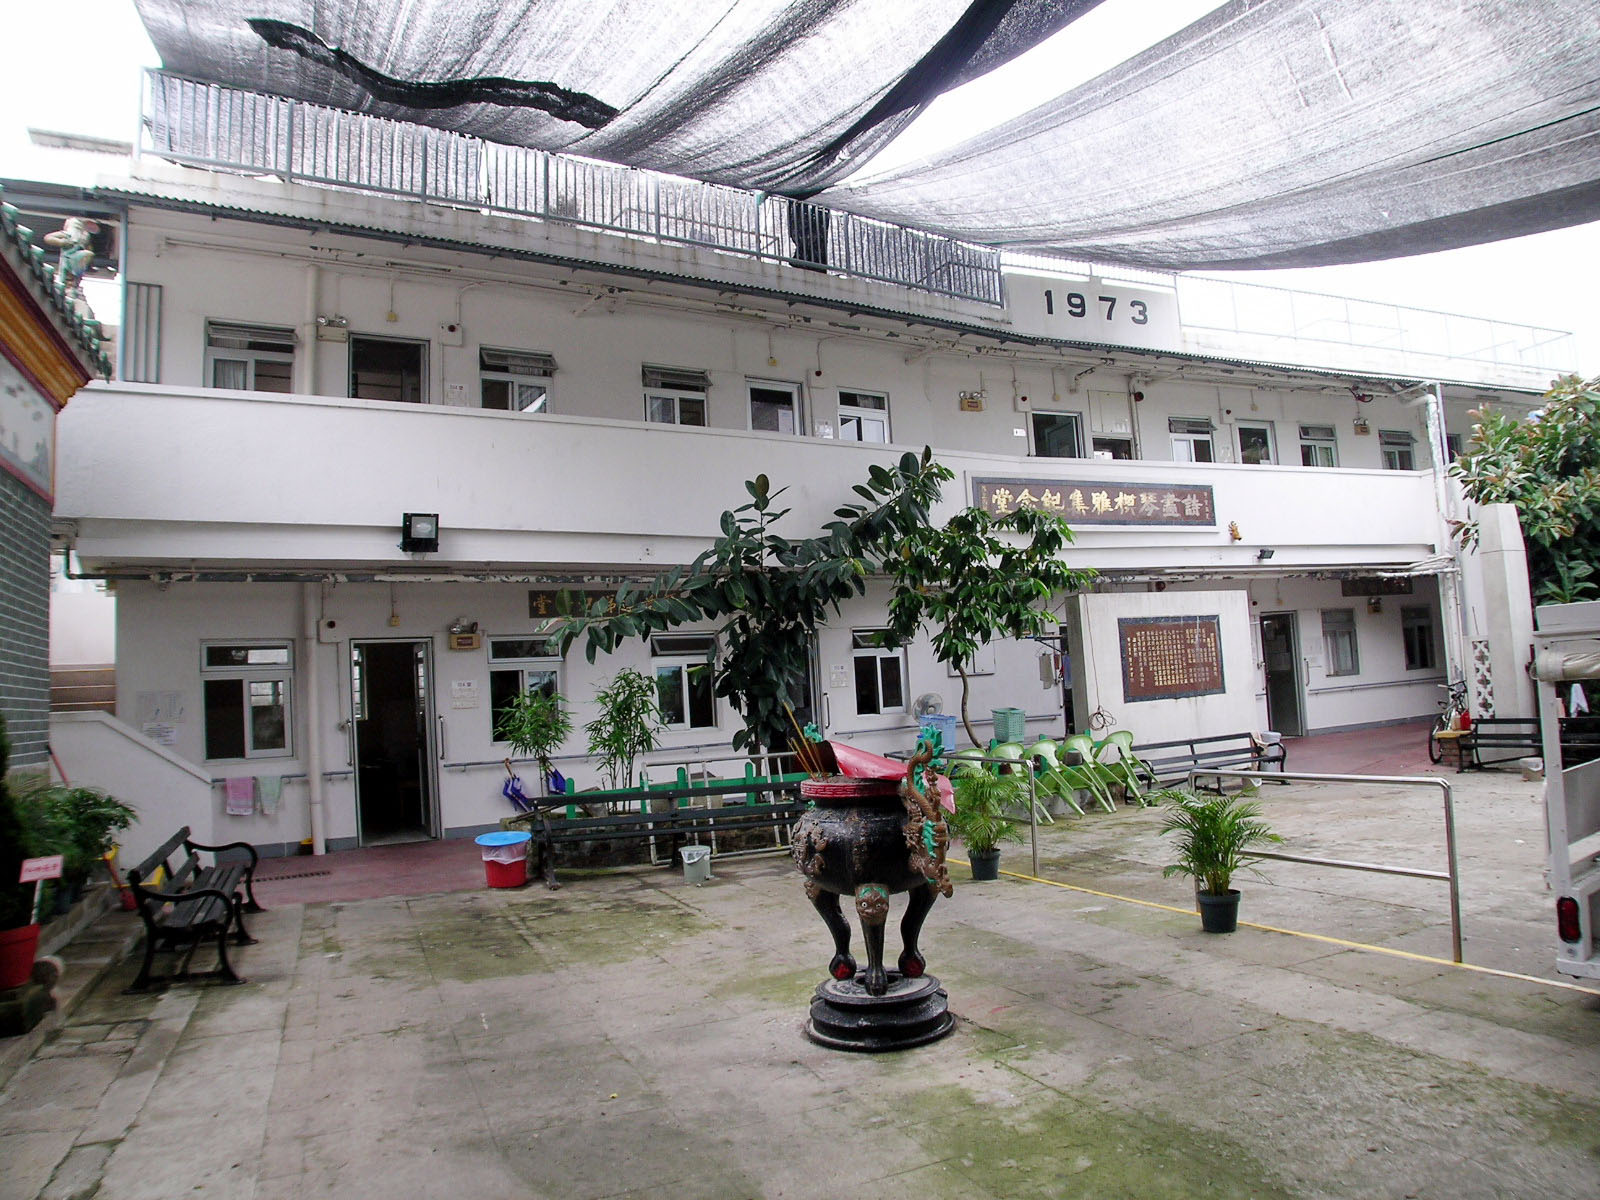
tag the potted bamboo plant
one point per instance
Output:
(984, 802)
(1213, 840)
(536, 724)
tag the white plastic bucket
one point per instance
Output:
(696, 863)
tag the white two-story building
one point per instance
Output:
(572, 367)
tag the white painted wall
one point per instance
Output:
(1097, 683)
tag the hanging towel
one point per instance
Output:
(1580, 702)
(269, 790)
(241, 793)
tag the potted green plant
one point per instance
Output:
(1213, 837)
(19, 934)
(78, 823)
(630, 717)
(982, 819)
(536, 724)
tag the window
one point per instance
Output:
(1318, 446)
(674, 396)
(518, 665)
(1452, 445)
(514, 380)
(1113, 447)
(249, 358)
(246, 687)
(1057, 435)
(1191, 439)
(1339, 642)
(1255, 444)
(1416, 628)
(863, 416)
(775, 407)
(1398, 448)
(880, 674)
(684, 668)
(388, 369)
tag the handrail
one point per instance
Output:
(1452, 876)
(209, 125)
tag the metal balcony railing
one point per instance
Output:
(207, 125)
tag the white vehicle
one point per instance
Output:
(1567, 653)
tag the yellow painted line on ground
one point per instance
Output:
(1312, 937)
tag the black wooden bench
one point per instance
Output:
(1166, 763)
(672, 825)
(193, 903)
(1494, 740)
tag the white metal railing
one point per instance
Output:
(208, 125)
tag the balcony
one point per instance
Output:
(179, 479)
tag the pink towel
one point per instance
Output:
(241, 793)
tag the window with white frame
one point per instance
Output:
(1255, 443)
(863, 416)
(1057, 435)
(514, 380)
(1319, 446)
(1191, 439)
(1399, 449)
(675, 396)
(880, 674)
(1339, 642)
(684, 666)
(1416, 631)
(246, 689)
(774, 407)
(249, 358)
(518, 665)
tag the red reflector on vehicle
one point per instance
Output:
(1567, 924)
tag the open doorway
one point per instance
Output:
(1280, 652)
(389, 684)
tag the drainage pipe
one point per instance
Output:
(310, 597)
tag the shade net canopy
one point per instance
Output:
(1289, 133)
(764, 94)
(1271, 133)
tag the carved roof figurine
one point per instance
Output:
(58, 286)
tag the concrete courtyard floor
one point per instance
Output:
(631, 1035)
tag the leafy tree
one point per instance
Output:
(977, 578)
(630, 718)
(1548, 468)
(768, 594)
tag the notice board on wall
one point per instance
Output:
(1169, 658)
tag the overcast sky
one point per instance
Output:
(79, 74)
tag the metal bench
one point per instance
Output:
(1494, 740)
(1166, 763)
(672, 824)
(191, 903)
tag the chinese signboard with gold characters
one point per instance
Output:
(1099, 502)
(1167, 658)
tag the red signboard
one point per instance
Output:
(34, 869)
(1168, 658)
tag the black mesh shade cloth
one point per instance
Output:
(1272, 133)
(750, 93)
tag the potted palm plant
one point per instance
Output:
(984, 802)
(1214, 837)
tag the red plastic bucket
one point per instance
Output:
(17, 947)
(505, 857)
(506, 875)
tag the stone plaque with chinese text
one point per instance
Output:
(1167, 658)
(1099, 502)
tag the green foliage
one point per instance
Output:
(766, 594)
(1548, 468)
(984, 802)
(630, 718)
(16, 899)
(978, 578)
(79, 823)
(1214, 836)
(536, 723)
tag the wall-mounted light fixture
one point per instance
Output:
(419, 533)
(1265, 553)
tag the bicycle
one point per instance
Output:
(1452, 708)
